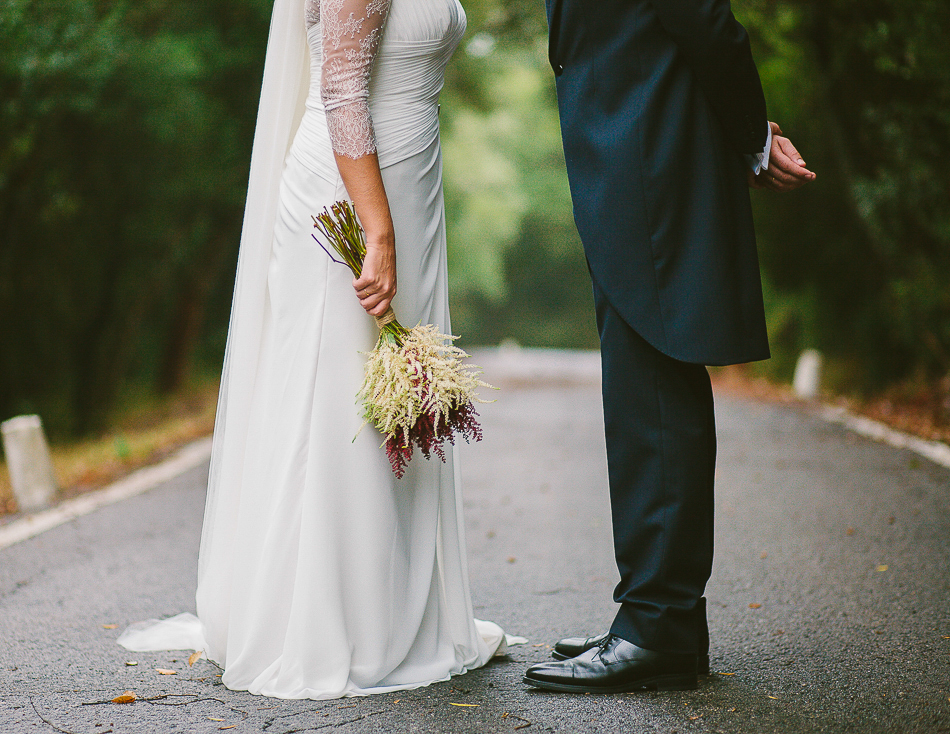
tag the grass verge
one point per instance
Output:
(143, 432)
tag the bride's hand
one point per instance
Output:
(376, 286)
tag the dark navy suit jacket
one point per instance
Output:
(658, 101)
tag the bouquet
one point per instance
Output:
(416, 391)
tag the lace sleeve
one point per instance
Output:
(352, 30)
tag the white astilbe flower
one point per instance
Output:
(423, 376)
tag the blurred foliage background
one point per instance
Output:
(125, 132)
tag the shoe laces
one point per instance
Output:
(602, 645)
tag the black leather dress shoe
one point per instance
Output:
(616, 666)
(571, 647)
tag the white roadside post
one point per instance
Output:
(807, 380)
(29, 463)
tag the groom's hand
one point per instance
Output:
(786, 171)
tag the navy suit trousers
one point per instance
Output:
(661, 457)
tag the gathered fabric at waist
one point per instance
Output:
(398, 137)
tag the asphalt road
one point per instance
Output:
(829, 602)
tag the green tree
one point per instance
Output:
(124, 147)
(516, 265)
(858, 263)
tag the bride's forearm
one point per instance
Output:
(376, 286)
(364, 183)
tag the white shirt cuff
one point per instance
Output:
(760, 161)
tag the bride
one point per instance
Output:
(321, 575)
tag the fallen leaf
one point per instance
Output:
(882, 567)
(774, 698)
(195, 657)
(891, 520)
(397, 700)
(130, 663)
(109, 626)
(127, 697)
(764, 554)
(849, 531)
(512, 559)
(466, 705)
(733, 710)
(879, 632)
(755, 605)
(210, 719)
(166, 671)
(693, 718)
(525, 725)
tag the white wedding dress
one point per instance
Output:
(320, 574)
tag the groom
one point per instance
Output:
(665, 128)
